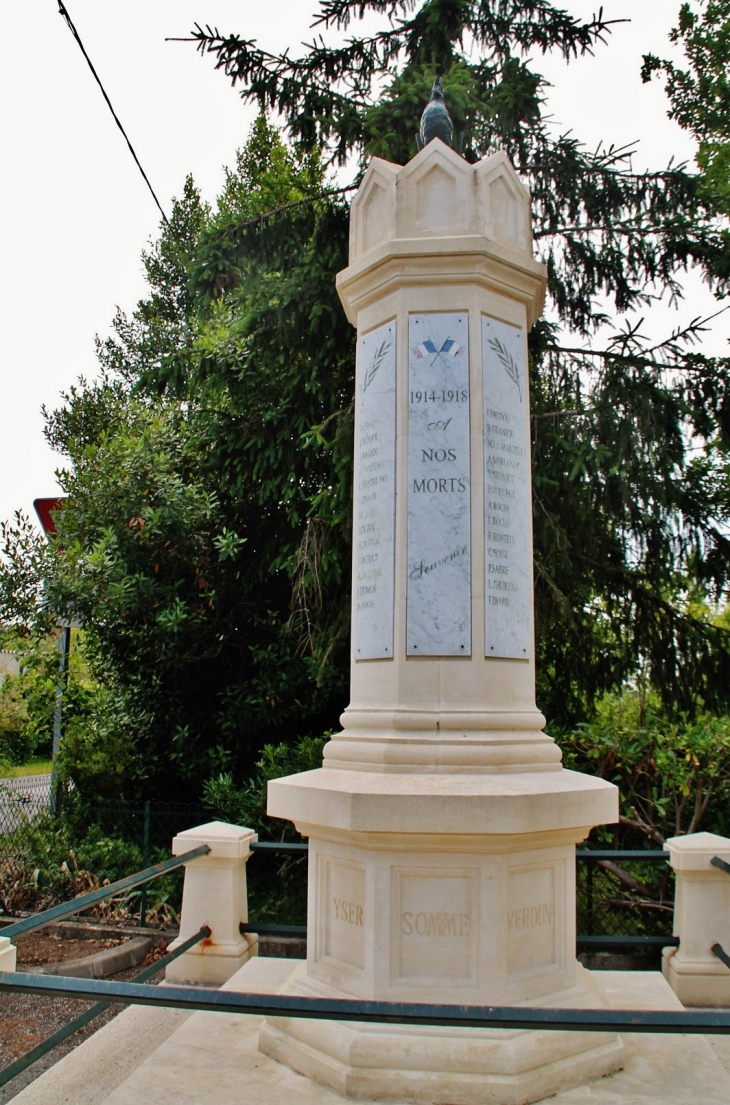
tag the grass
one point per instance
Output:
(35, 767)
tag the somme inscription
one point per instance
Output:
(374, 529)
(507, 523)
(435, 924)
(435, 927)
(439, 562)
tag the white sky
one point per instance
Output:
(76, 214)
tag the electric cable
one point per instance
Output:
(62, 11)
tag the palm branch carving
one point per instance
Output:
(508, 363)
(375, 364)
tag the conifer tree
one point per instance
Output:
(630, 500)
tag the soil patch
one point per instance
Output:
(28, 1019)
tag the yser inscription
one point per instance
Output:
(507, 530)
(374, 530)
(439, 519)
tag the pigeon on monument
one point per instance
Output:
(435, 121)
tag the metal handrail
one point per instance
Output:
(595, 855)
(617, 943)
(720, 864)
(272, 930)
(85, 901)
(278, 846)
(31, 1057)
(719, 951)
(377, 1012)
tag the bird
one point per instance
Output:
(435, 121)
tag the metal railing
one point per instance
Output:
(588, 941)
(86, 901)
(63, 1033)
(198, 998)
(78, 905)
(205, 999)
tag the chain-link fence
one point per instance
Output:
(21, 802)
(625, 893)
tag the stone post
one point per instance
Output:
(8, 954)
(214, 894)
(701, 919)
(442, 825)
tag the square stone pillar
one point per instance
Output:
(215, 895)
(442, 825)
(701, 919)
(8, 954)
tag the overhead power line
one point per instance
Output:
(62, 11)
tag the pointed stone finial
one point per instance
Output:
(435, 121)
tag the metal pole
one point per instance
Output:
(145, 861)
(64, 646)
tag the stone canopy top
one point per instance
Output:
(439, 203)
(438, 193)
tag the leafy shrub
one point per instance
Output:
(277, 884)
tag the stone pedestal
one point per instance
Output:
(442, 826)
(701, 919)
(214, 894)
(7, 955)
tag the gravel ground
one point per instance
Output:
(28, 1019)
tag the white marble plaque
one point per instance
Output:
(439, 516)
(374, 522)
(508, 551)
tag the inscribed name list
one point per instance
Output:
(508, 559)
(439, 519)
(374, 528)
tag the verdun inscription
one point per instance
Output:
(438, 607)
(374, 536)
(531, 902)
(507, 530)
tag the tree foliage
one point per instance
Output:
(629, 437)
(700, 94)
(205, 539)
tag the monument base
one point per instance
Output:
(443, 889)
(434, 1065)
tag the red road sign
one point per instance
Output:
(44, 509)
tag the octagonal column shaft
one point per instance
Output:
(443, 289)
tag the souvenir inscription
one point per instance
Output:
(507, 529)
(439, 516)
(374, 525)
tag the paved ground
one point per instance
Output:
(162, 1057)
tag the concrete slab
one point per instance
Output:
(681, 1070)
(89, 1073)
(213, 1059)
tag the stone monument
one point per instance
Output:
(442, 826)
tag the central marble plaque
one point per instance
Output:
(507, 530)
(374, 536)
(439, 516)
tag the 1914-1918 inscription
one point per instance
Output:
(374, 532)
(507, 533)
(439, 521)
